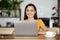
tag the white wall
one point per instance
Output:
(44, 7)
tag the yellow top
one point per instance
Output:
(40, 24)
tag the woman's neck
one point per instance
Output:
(30, 18)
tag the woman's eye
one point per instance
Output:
(31, 10)
(27, 10)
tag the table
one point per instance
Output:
(13, 37)
(7, 36)
(39, 37)
(6, 33)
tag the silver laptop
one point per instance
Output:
(26, 28)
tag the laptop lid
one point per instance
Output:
(26, 28)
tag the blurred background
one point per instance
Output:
(13, 10)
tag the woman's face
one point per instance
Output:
(30, 11)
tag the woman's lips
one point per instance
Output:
(30, 14)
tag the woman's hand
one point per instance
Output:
(43, 31)
(45, 28)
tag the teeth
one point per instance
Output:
(29, 14)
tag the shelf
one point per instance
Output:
(9, 17)
(6, 27)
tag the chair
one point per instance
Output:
(46, 21)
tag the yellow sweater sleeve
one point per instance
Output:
(40, 24)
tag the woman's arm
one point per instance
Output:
(42, 26)
(44, 29)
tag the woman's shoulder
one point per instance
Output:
(39, 19)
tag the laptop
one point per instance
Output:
(26, 28)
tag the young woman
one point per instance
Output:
(31, 15)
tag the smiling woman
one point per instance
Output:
(31, 15)
(30, 11)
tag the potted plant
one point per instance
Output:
(16, 7)
(16, 4)
(4, 4)
(10, 5)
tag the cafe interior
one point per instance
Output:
(12, 12)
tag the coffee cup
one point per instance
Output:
(50, 34)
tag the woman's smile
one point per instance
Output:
(29, 14)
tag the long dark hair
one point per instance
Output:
(25, 16)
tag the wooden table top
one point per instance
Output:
(6, 30)
(39, 37)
